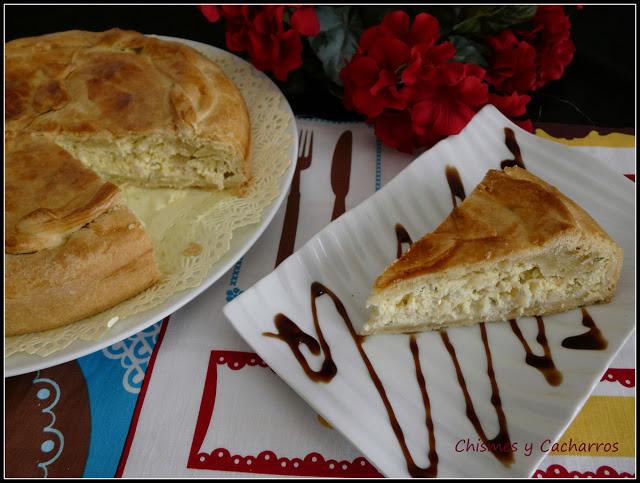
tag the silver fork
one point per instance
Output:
(290, 225)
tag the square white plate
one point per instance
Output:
(348, 255)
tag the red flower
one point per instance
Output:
(260, 30)
(513, 67)
(525, 124)
(447, 101)
(270, 47)
(305, 21)
(551, 38)
(238, 26)
(395, 129)
(513, 106)
(407, 85)
(212, 12)
(370, 90)
(391, 58)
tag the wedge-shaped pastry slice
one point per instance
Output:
(72, 249)
(515, 247)
(131, 107)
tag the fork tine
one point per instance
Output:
(300, 146)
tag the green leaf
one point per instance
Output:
(483, 21)
(469, 51)
(340, 29)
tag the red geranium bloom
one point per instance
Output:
(395, 129)
(513, 106)
(525, 124)
(268, 41)
(447, 101)
(260, 31)
(513, 67)
(369, 90)
(238, 25)
(305, 21)
(212, 12)
(391, 58)
(551, 38)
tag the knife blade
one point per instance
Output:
(341, 172)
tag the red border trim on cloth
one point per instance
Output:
(559, 471)
(626, 377)
(266, 462)
(140, 401)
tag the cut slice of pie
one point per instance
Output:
(515, 247)
(72, 248)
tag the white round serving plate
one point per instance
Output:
(242, 240)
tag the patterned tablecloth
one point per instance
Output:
(187, 397)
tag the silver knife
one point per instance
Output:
(341, 172)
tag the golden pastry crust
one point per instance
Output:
(510, 212)
(516, 246)
(122, 85)
(90, 253)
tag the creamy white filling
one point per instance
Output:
(156, 160)
(496, 292)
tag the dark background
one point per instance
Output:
(598, 88)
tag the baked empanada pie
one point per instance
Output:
(85, 111)
(72, 248)
(516, 246)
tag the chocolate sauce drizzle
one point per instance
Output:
(402, 235)
(592, 340)
(432, 470)
(543, 363)
(413, 469)
(455, 185)
(293, 336)
(500, 446)
(512, 145)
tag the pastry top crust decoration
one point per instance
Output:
(510, 212)
(116, 84)
(49, 195)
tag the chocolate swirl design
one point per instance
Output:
(292, 335)
(592, 340)
(543, 363)
(514, 147)
(403, 237)
(500, 445)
